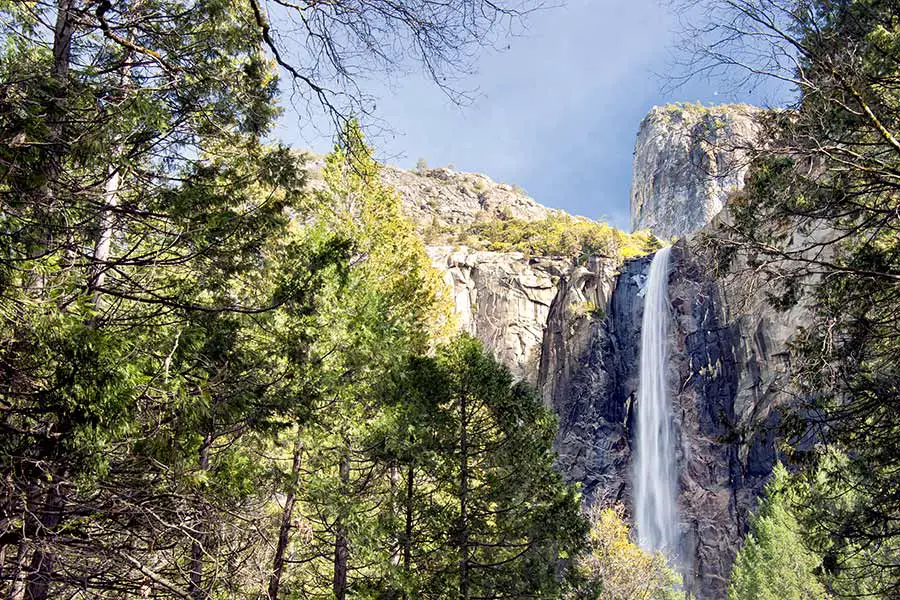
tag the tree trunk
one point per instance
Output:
(19, 573)
(463, 501)
(111, 191)
(396, 553)
(62, 38)
(195, 589)
(104, 241)
(408, 526)
(43, 196)
(30, 510)
(40, 572)
(62, 57)
(9, 506)
(287, 515)
(341, 543)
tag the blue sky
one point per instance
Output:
(556, 113)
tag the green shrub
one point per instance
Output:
(588, 307)
(561, 235)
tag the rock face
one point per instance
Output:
(531, 313)
(730, 350)
(572, 328)
(447, 197)
(687, 159)
(716, 494)
(444, 196)
(729, 372)
(594, 405)
(502, 299)
(583, 293)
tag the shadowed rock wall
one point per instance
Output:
(727, 375)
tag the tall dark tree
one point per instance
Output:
(485, 514)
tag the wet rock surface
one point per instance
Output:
(594, 406)
(725, 438)
(706, 376)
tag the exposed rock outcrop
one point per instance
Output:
(573, 329)
(581, 301)
(503, 299)
(444, 196)
(532, 313)
(687, 159)
(447, 197)
(594, 405)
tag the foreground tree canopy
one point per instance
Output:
(205, 363)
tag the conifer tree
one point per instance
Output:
(774, 563)
(818, 223)
(485, 514)
(391, 306)
(172, 294)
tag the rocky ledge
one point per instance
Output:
(447, 197)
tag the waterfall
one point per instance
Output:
(655, 472)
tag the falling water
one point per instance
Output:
(655, 474)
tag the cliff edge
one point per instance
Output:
(687, 159)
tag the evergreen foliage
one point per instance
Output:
(557, 235)
(197, 351)
(486, 515)
(390, 307)
(819, 223)
(774, 563)
(821, 497)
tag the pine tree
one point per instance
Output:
(149, 238)
(390, 307)
(175, 304)
(774, 563)
(485, 513)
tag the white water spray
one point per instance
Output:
(655, 471)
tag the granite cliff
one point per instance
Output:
(728, 373)
(687, 159)
(571, 326)
(444, 196)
